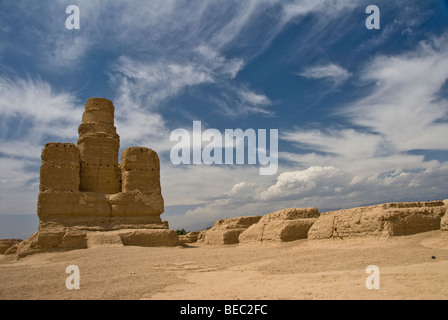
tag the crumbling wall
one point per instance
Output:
(283, 225)
(385, 220)
(141, 196)
(227, 231)
(59, 171)
(59, 198)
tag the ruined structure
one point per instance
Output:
(7, 244)
(380, 221)
(227, 231)
(282, 225)
(190, 237)
(86, 194)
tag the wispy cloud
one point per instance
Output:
(31, 112)
(143, 89)
(404, 105)
(402, 113)
(300, 8)
(253, 98)
(347, 143)
(42, 110)
(153, 83)
(330, 72)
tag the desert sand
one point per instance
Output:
(411, 267)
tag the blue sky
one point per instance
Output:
(362, 114)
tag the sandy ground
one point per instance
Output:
(301, 269)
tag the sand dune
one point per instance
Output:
(302, 269)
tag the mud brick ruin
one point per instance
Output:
(86, 197)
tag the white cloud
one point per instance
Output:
(362, 166)
(14, 174)
(348, 143)
(331, 72)
(68, 52)
(186, 184)
(218, 64)
(150, 84)
(326, 8)
(303, 182)
(35, 99)
(143, 88)
(20, 149)
(404, 106)
(17, 194)
(31, 112)
(253, 98)
(327, 188)
(402, 113)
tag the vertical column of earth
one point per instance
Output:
(59, 180)
(141, 198)
(99, 145)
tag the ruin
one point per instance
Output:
(380, 221)
(227, 231)
(86, 197)
(281, 226)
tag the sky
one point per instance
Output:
(361, 114)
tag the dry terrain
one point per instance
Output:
(411, 267)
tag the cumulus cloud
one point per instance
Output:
(303, 183)
(327, 188)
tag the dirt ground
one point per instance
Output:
(411, 267)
